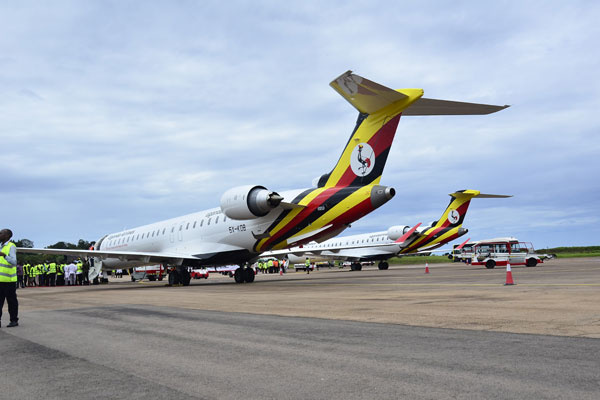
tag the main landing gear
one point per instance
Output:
(383, 265)
(179, 276)
(244, 274)
(355, 266)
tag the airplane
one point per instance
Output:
(396, 241)
(252, 219)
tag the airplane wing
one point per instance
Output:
(158, 257)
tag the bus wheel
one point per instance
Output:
(490, 264)
(531, 262)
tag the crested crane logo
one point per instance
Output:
(362, 160)
(453, 216)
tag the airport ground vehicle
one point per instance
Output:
(199, 273)
(152, 273)
(500, 251)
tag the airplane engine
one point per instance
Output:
(396, 232)
(249, 202)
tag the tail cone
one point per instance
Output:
(426, 268)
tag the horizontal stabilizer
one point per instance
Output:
(492, 196)
(366, 96)
(476, 193)
(425, 106)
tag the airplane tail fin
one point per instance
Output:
(364, 156)
(456, 211)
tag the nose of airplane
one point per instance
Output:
(381, 195)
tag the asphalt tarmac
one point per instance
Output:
(302, 336)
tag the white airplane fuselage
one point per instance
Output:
(211, 235)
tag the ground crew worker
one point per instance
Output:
(79, 272)
(8, 277)
(270, 264)
(25, 275)
(31, 279)
(20, 276)
(307, 265)
(60, 275)
(52, 274)
(36, 274)
(42, 275)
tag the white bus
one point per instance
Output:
(500, 251)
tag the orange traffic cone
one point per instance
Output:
(280, 271)
(426, 268)
(509, 278)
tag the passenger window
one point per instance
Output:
(138, 237)
(172, 229)
(180, 227)
(164, 229)
(217, 220)
(201, 222)
(194, 227)
(187, 226)
(208, 222)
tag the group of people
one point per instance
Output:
(52, 274)
(272, 266)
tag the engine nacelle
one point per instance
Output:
(396, 232)
(249, 202)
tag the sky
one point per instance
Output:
(115, 114)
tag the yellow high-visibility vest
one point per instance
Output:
(8, 272)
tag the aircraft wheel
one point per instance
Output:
(249, 275)
(185, 277)
(239, 275)
(531, 262)
(490, 264)
(173, 278)
(385, 265)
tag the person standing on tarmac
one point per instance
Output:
(307, 265)
(8, 277)
(20, 283)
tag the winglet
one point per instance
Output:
(407, 234)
